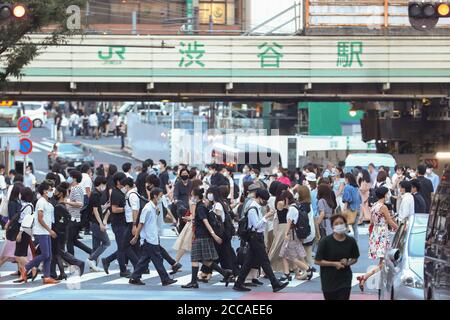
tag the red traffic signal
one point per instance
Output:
(8, 11)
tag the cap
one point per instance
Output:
(311, 176)
(253, 187)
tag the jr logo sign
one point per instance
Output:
(113, 51)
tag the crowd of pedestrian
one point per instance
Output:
(285, 222)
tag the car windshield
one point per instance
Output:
(417, 241)
(70, 148)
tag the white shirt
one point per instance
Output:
(128, 175)
(256, 220)
(149, 218)
(406, 206)
(27, 208)
(312, 226)
(93, 120)
(292, 214)
(132, 203)
(74, 119)
(271, 204)
(2, 182)
(86, 182)
(29, 181)
(218, 207)
(49, 217)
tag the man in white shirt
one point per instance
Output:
(257, 251)
(86, 180)
(406, 208)
(93, 124)
(433, 177)
(132, 207)
(148, 231)
(373, 174)
(29, 180)
(74, 122)
(2, 179)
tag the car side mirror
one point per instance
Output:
(393, 255)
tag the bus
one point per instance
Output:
(234, 158)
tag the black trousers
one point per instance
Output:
(59, 254)
(150, 252)
(73, 230)
(257, 254)
(341, 294)
(227, 258)
(131, 252)
(166, 256)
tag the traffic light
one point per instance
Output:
(424, 15)
(8, 11)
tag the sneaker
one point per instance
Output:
(92, 266)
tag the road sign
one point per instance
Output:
(26, 146)
(25, 124)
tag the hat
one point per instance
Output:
(253, 187)
(311, 176)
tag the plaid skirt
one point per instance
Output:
(203, 250)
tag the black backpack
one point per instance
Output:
(243, 231)
(216, 224)
(236, 191)
(302, 228)
(142, 203)
(228, 225)
(372, 196)
(14, 226)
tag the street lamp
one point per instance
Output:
(352, 113)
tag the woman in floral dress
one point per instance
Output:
(379, 237)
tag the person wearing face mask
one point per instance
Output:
(227, 174)
(335, 254)
(29, 180)
(163, 175)
(406, 207)
(43, 233)
(59, 254)
(283, 176)
(433, 177)
(255, 176)
(126, 168)
(379, 240)
(74, 205)
(257, 251)
(203, 249)
(181, 193)
(98, 219)
(148, 233)
(246, 177)
(217, 179)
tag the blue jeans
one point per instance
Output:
(355, 227)
(100, 241)
(45, 245)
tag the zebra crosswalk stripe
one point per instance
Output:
(153, 274)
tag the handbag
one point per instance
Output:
(4, 206)
(28, 220)
(350, 216)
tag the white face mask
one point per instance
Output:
(226, 174)
(340, 229)
(124, 190)
(193, 199)
(253, 175)
(279, 174)
(102, 188)
(429, 171)
(210, 197)
(245, 170)
(50, 194)
(69, 180)
(296, 196)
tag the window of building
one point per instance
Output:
(221, 11)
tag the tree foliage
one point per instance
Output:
(17, 49)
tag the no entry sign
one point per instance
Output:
(24, 124)
(26, 146)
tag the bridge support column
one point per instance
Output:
(267, 109)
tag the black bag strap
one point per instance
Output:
(139, 196)
(28, 205)
(248, 210)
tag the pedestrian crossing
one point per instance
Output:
(152, 280)
(42, 146)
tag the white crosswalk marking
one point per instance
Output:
(121, 280)
(41, 146)
(295, 282)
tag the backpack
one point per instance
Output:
(243, 231)
(236, 191)
(228, 225)
(372, 196)
(14, 226)
(302, 228)
(216, 224)
(142, 203)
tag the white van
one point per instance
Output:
(364, 159)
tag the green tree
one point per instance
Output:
(17, 49)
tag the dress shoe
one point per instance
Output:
(250, 284)
(125, 274)
(62, 277)
(34, 273)
(146, 272)
(241, 288)
(280, 286)
(257, 282)
(50, 281)
(175, 268)
(105, 264)
(136, 282)
(169, 282)
(190, 285)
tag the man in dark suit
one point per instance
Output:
(419, 202)
(426, 187)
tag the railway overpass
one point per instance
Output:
(291, 68)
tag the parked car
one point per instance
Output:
(437, 246)
(402, 274)
(70, 155)
(34, 110)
